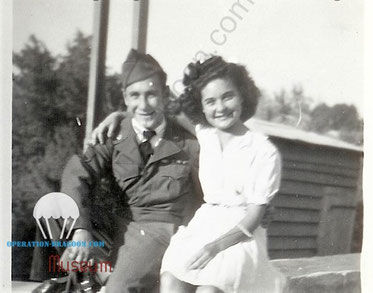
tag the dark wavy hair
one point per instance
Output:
(198, 75)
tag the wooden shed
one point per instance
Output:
(320, 189)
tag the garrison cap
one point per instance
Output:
(138, 67)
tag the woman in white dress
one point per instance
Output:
(223, 248)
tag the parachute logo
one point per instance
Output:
(56, 205)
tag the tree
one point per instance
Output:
(283, 108)
(342, 118)
(296, 110)
(49, 105)
(321, 118)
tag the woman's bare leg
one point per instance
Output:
(171, 284)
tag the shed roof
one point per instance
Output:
(295, 134)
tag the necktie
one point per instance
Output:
(145, 147)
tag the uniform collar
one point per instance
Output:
(139, 129)
(169, 145)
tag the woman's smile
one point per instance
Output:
(221, 103)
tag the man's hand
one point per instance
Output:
(108, 127)
(203, 257)
(80, 253)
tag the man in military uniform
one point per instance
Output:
(153, 161)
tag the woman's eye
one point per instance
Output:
(209, 102)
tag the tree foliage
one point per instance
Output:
(49, 110)
(295, 109)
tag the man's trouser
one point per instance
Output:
(137, 269)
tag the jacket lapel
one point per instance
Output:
(126, 141)
(169, 145)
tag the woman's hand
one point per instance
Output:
(236, 235)
(203, 257)
(108, 127)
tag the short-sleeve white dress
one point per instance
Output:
(246, 172)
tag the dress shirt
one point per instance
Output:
(156, 139)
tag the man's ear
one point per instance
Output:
(124, 95)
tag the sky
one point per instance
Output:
(315, 44)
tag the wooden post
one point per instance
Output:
(96, 89)
(140, 25)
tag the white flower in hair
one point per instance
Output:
(203, 57)
(232, 59)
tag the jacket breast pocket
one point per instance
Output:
(126, 174)
(174, 180)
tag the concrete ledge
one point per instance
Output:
(336, 273)
(330, 274)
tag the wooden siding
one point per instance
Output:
(315, 207)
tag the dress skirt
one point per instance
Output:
(243, 267)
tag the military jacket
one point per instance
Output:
(165, 189)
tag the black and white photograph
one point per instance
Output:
(160, 146)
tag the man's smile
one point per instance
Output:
(146, 114)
